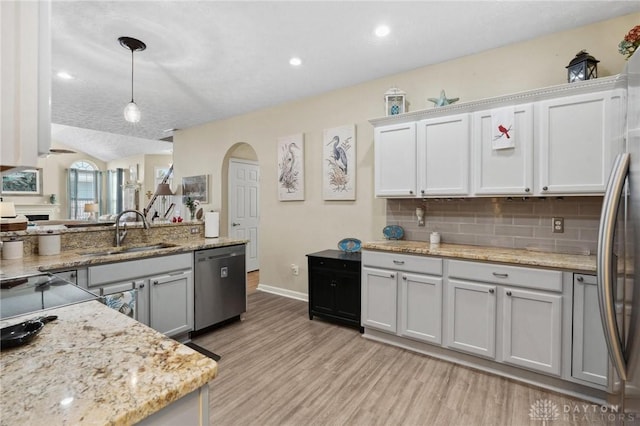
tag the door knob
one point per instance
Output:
(235, 224)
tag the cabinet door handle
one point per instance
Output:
(393, 275)
(404, 277)
(141, 285)
(527, 190)
(508, 293)
(73, 275)
(155, 283)
(544, 188)
(422, 191)
(500, 275)
(580, 279)
(398, 262)
(491, 290)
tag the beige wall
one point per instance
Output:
(289, 230)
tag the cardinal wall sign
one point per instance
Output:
(502, 126)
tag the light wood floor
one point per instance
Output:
(280, 368)
(253, 279)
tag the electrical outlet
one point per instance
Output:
(557, 225)
(295, 269)
(195, 230)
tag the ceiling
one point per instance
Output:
(208, 60)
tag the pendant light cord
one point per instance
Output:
(131, 75)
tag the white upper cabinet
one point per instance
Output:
(578, 138)
(565, 140)
(443, 156)
(25, 81)
(395, 160)
(506, 171)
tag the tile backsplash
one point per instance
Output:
(503, 222)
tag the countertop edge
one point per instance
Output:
(520, 257)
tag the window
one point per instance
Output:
(85, 182)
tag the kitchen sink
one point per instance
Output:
(134, 249)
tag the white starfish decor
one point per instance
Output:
(443, 100)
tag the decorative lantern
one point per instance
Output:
(395, 101)
(582, 67)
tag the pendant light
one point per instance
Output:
(131, 111)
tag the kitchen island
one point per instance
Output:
(96, 366)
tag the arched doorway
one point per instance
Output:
(241, 189)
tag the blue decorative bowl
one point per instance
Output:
(349, 245)
(393, 232)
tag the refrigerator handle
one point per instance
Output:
(606, 262)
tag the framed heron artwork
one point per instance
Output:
(339, 163)
(291, 168)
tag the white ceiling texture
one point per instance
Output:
(208, 60)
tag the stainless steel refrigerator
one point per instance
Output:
(618, 264)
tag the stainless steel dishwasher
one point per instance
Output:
(220, 285)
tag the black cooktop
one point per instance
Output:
(33, 293)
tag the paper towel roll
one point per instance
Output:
(48, 244)
(12, 249)
(211, 224)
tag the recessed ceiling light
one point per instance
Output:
(382, 31)
(295, 61)
(65, 75)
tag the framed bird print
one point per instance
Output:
(291, 168)
(339, 163)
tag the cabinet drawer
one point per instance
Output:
(334, 264)
(507, 275)
(409, 263)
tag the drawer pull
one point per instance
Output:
(491, 290)
(508, 293)
(500, 275)
(404, 277)
(398, 262)
(393, 275)
(580, 279)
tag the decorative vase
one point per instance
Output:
(192, 214)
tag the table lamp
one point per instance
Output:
(92, 209)
(164, 189)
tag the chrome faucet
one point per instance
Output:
(120, 235)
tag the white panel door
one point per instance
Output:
(531, 327)
(395, 160)
(244, 214)
(443, 155)
(503, 171)
(471, 317)
(420, 311)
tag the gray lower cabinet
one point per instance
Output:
(163, 289)
(531, 329)
(590, 360)
(471, 317)
(379, 299)
(171, 304)
(402, 294)
(420, 313)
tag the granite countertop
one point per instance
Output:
(78, 258)
(95, 366)
(523, 257)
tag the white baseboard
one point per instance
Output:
(284, 292)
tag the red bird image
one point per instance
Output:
(504, 131)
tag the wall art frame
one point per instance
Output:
(291, 168)
(24, 182)
(339, 163)
(196, 188)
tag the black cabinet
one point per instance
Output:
(334, 286)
